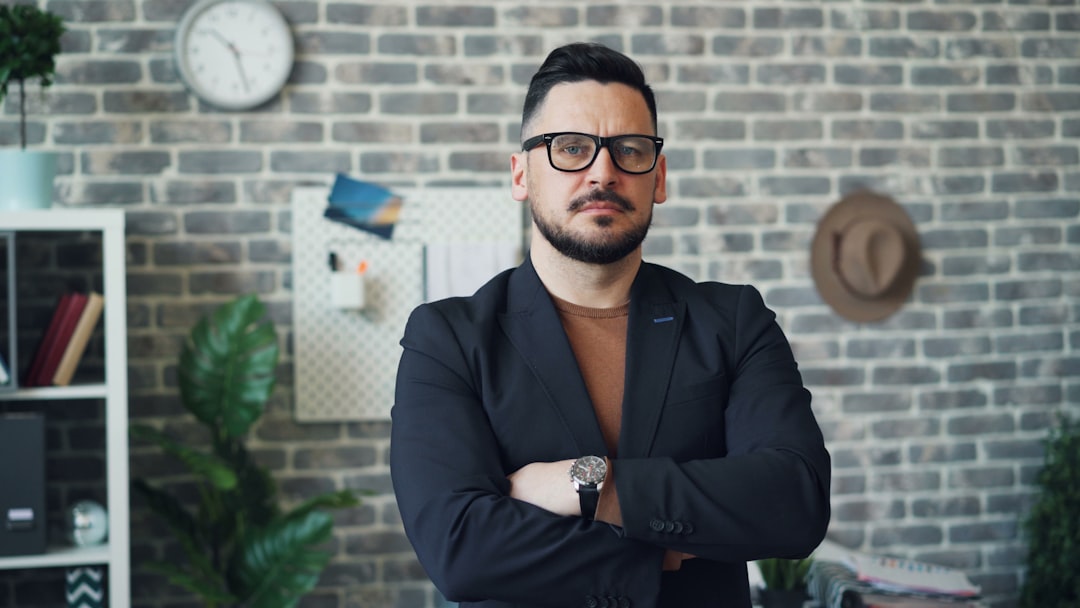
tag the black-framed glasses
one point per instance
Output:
(569, 151)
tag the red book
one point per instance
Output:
(46, 339)
(69, 317)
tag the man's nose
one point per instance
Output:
(603, 171)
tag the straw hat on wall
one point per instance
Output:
(865, 256)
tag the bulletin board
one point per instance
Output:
(345, 361)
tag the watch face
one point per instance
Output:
(589, 470)
(235, 54)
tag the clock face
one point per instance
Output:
(234, 54)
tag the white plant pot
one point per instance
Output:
(26, 179)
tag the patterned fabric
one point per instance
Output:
(85, 588)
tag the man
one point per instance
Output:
(589, 429)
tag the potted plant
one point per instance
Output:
(785, 582)
(240, 547)
(29, 43)
(1053, 526)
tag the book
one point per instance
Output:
(84, 328)
(46, 338)
(54, 348)
(909, 575)
(856, 599)
(5, 375)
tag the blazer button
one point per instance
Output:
(688, 528)
(624, 602)
(656, 525)
(612, 601)
(669, 527)
(678, 527)
(591, 602)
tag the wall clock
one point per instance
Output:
(234, 54)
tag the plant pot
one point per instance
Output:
(27, 179)
(782, 598)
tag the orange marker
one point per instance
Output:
(361, 268)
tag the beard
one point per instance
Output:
(604, 249)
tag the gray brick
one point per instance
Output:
(713, 74)
(270, 251)
(148, 102)
(226, 222)
(800, 186)
(1019, 75)
(492, 162)
(1047, 156)
(943, 76)
(826, 46)
(848, 484)
(157, 283)
(789, 74)
(1052, 261)
(981, 424)
(667, 45)
(1046, 394)
(894, 157)
(1067, 22)
(1048, 209)
(953, 451)
(1019, 129)
(1015, 449)
(880, 348)
(862, 403)
(708, 187)
(941, 21)
(834, 377)
(709, 17)
(364, 73)
(956, 506)
(827, 101)
(985, 370)
(983, 531)
(1039, 181)
(787, 130)
(955, 238)
(308, 72)
(219, 161)
(867, 129)
(818, 157)
(108, 193)
(196, 253)
(683, 101)
(398, 162)
(980, 102)
(976, 265)
(772, 18)
(1016, 21)
(741, 46)
(864, 19)
(869, 74)
(672, 216)
(980, 47)
(1050, 48)
(957, 347)
(543, 16)
(98, 72)
(1051, 314)
(906, 481)
(697, 130)
(146, 223)
(94, 12)
(886, 375)
(945, 129)
(905, 102)
(326, 161)
(738, 159)
(1050, 101)
(311, 43)
(366, 15)
(959, 184)
(906, 47)
(372, 132)
(868, 510)
(478, 103)
(124, 163)
(750, 102)
(188, 131)
(983, 211)
(238, 282)
(455, 16)
(280, 131)
(422, 45)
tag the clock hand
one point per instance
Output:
(236, 57)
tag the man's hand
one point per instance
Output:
(546, 485)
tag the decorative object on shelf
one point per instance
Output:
(234, 54)
(29, 43)
(1052, 526)
(84, 587)
(785, 582)
(241, 547)
(86, 523)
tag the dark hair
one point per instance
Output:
(581, 61)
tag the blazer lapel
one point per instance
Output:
(653, 331)
(533, 326)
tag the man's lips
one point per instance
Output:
(604, 200)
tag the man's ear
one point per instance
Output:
(660, 188)
(519, 188)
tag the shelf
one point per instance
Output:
(39, 393)
(56, 557)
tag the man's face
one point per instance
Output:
(601, 214)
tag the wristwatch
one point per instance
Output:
(588, 474)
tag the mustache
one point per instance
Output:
(600, 196)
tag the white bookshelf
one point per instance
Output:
(116, 552)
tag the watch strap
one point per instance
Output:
(589, 498)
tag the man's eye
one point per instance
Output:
(572, 150)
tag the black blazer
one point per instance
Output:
(719, 453)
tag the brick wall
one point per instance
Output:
(968, 113)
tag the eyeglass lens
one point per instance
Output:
(575, 151)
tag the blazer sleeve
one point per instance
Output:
(473, 540)
(767, 495)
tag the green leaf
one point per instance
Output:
(213, 591)
(226, 371)
(211, 468)
(280, 564)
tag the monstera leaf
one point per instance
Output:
(227, 366)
